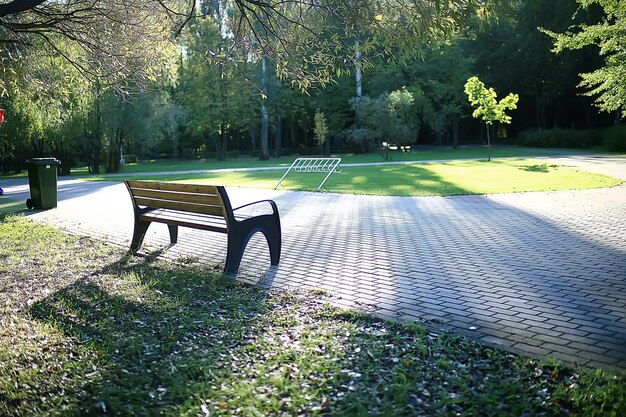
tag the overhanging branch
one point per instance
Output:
(18, 6)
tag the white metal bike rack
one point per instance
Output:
(319, 165)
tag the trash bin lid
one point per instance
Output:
(44, 161)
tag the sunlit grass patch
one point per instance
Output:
(424, 179)
(11, 205)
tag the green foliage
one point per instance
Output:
(437, 84)
(49, 110)
(121, 45)
(559, 138)
(614, 138)
(220, 96)
(320, 128)
(317, 43)
(487, 107)
(388, 118)
(130, 158)
(609, 35)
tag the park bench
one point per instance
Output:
(205, 207)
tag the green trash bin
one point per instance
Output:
(42, 178)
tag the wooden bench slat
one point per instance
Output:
(173, 186)
(182, 206)
(203, 222)
(213, 200)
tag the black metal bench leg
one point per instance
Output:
(173, 233)
(234, 253)
(273, 241)
(141, 227)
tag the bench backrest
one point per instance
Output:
(195, 198)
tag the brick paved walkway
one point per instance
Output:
(537, 273)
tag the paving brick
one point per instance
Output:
(536, 351)
(538, 324)
(495, 333)
(551, 339)
(573, 333)
(512, 324)
(588, 348)
(557, 347)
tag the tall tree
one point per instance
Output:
(609, 35)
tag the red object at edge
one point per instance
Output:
(2, 115)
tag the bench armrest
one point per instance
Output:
(272, 203)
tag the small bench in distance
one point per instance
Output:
(204, 207)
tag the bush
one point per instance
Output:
(130, 158)
(559, 138)
(614, 138)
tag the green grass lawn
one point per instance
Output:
(426, 179)
(87, 330)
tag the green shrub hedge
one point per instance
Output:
(614, 138)
(559, 138)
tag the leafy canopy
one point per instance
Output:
(487, 106)
(609, 35)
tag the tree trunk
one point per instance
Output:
(293, 134)
(224, 147)
(557, 115)
(264, 154)
(38, 145)
(66, 161)
(253, 137)
(115, 154)
(96, 144)
(278, 138)
(221, 141)
(488, 145)
(455, 133)
(223, 136)
(357, 65)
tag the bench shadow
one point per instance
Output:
(170, 326)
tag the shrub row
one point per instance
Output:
(559, 138)
(612, 138)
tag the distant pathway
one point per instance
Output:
(536, 273)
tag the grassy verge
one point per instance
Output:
(11, 205)
(86, 330)
(428, 179)
(166, 165)
(245, 162)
